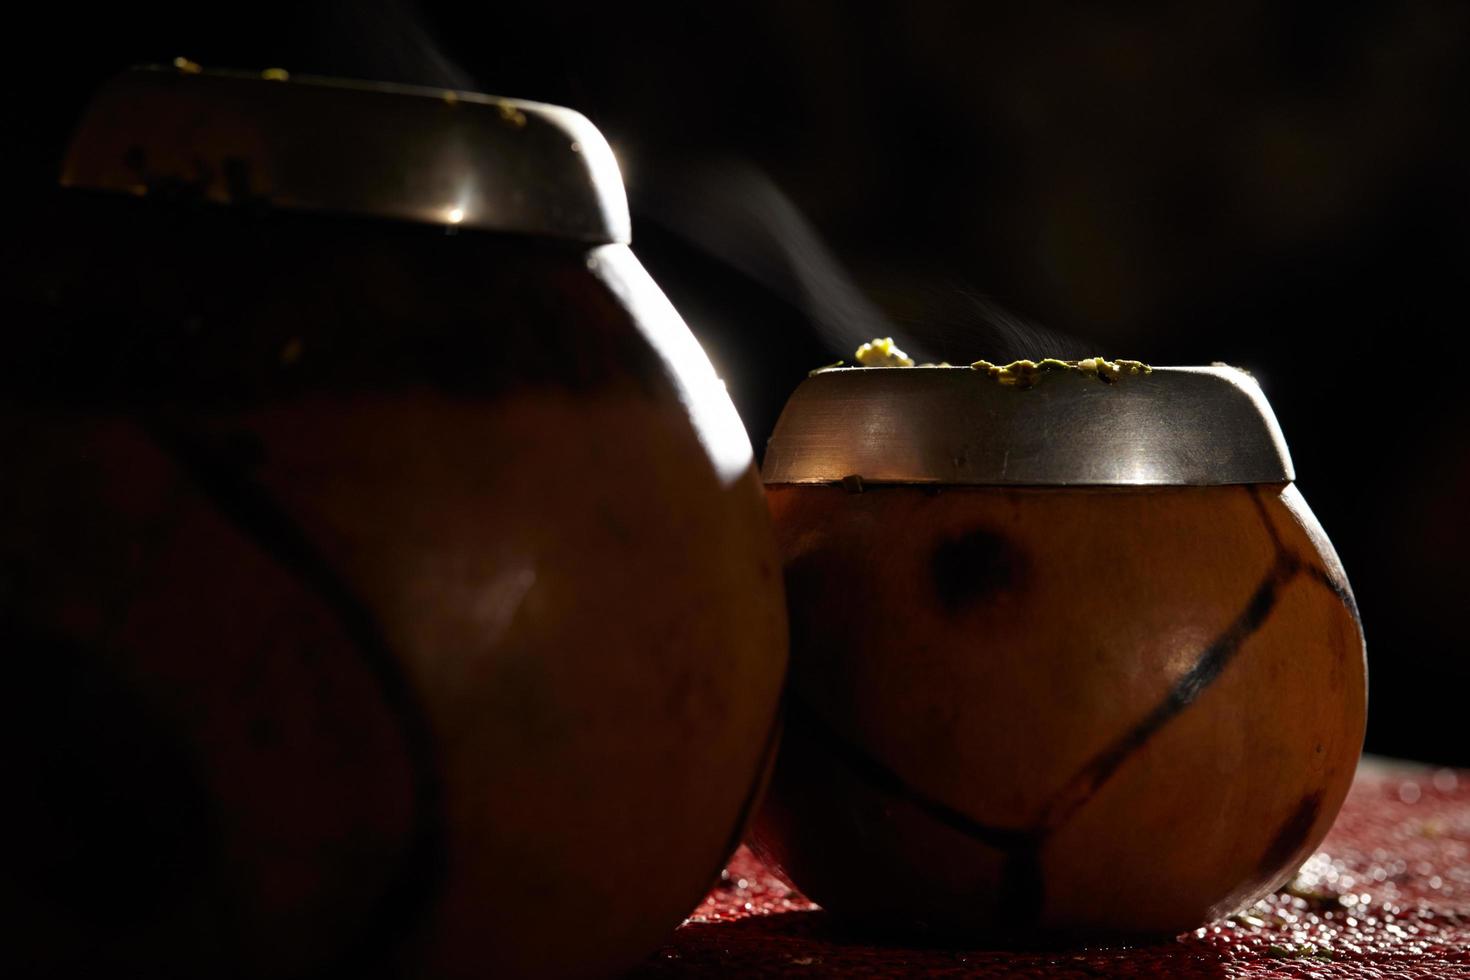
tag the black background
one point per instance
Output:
(1282, 187)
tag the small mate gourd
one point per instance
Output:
(1070, 654)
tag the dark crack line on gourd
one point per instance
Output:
(1313, 571)
(1022, 878)
(1206, 669)
(1292, 833)
(801, 717)
(1266, 522)
(1343, 593)
(250, 507)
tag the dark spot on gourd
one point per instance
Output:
(1292, 834)
(973, 566)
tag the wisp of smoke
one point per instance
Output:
(387, 40)
(968, 325)
(736, 214)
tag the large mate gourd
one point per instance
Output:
(387, 582)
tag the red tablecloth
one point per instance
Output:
(1387, 895)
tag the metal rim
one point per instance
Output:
(1175, 426)
(432, 156)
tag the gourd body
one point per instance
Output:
(1060, 711)
(372, 598)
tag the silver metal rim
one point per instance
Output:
(1175, 426)
(433, 156)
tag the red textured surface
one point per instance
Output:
(1386, 896)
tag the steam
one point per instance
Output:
(387, 40)
(967, 325)
(736, 214)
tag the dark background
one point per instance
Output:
(1282, 188)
